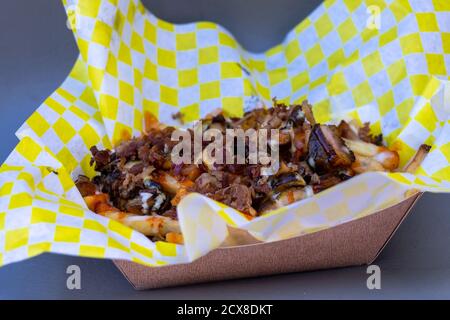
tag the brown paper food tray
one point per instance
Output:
(354, 243)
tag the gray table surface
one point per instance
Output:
(37, 52)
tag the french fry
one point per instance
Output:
(152, 226)
(105, 207)
(94, 200)
(174, 237)
(171, 184)
(306, 108)
(388, 159)
(181, 193)
(191, 172)
(366, 164)
(418, 158)
(363, 148)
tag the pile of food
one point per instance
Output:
(139, 185)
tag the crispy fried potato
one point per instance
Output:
(148, 225)
(105, 207)
(152, 226)
(191, 172)
(366, 164)
(181, 193)
(418, 158)
(174, 237)
(307, 110)
(363, 148)
(388, 159)
(171, 184)
(94, 200)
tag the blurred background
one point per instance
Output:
(37, 52)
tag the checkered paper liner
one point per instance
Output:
(133, 65)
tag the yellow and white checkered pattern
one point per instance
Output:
(133, 65)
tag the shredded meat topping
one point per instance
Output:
(139, 176)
